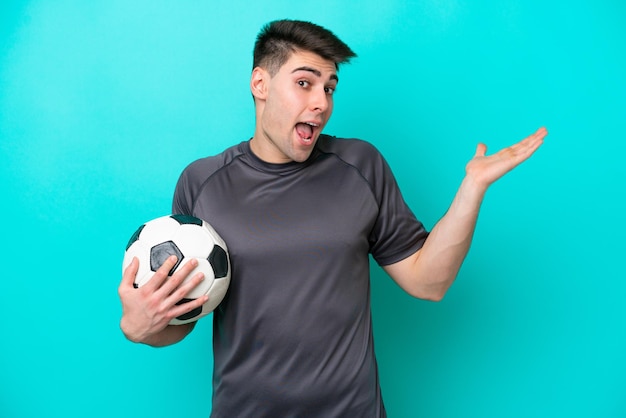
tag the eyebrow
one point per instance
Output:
(316, 72)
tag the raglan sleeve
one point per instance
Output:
(182, 203)
(397, 233)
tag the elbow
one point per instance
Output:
(436, 290)
(431, 294)
(137, 339)
(434, 296)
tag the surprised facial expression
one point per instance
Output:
(293, 106)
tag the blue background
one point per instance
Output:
(103, 103)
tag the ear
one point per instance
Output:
(259, 83)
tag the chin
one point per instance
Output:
(300, 154)
(300, 158)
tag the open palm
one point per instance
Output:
(487, 169)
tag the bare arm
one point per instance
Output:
(429, 272)
(148, 310)
(171, 334)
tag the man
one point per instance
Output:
(300, 212)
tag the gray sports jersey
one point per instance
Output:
(293, 337)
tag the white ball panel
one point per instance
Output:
(142, 252)
(193, 241)
(216, 237)
(158, 230)
(217, 293)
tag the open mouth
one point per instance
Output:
(306, 131)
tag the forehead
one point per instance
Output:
(307, 61)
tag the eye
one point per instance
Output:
(303, 83)
(330, 89)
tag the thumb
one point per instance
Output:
(481, 149)
(130, 273)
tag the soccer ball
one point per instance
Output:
(186, 237)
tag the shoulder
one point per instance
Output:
(198, 173)
(358, 153)
(347, 147)
(201, 169)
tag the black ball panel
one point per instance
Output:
(187, 220)
(160, 252)
(219, 261)
(135, 236)
(191, 314)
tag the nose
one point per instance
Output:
(320, 100)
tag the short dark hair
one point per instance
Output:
(277, 40)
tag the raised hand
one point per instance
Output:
(484, 170)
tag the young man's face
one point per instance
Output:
(293, 107)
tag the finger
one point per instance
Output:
(529, 145)
(130, 273)
(179, 277)
(542, 132)
(184, 289)
(162, 273)
(536, 139)
(187, 307)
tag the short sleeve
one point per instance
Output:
(397, 232)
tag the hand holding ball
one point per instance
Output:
(186, 237)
